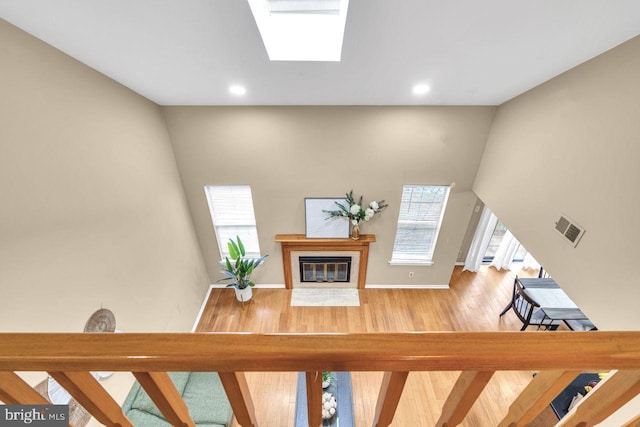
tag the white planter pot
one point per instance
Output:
(243, 295)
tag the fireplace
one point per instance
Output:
(329, 269)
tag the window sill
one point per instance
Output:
(223, 262)
(412, 262)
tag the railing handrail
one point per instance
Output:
(236, 352)
(558, 356)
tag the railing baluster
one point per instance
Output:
(544, 387)
(616, 389)
(314, 398)
(465, 392)
(389, 397)
(164, 394)
(15, 391)
(235, 385)
(90, 394)
(635, 422)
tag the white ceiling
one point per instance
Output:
(471, 52)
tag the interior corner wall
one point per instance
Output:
(289, 153)
(571, 146)
(93, 211)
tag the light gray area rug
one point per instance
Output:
(325, 297)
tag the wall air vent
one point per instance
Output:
(571, 231)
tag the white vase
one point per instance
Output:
(243, 295)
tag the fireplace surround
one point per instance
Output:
(295, 246)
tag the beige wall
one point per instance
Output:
(289, 153)
(572, 146)
(92, 209)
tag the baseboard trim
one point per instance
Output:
(204, 302)
(407, 286)
(271, 286)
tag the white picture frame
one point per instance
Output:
(319, 225)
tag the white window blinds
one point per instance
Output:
(421, 211)
(231, 208)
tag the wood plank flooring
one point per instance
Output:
(472, 303)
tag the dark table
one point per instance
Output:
(560, 404)
(535, 282)
(564, 314)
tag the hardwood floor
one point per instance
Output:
(472, 303)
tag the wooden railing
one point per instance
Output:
(558, 358)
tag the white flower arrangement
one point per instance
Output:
(354, 211)
(329, 406)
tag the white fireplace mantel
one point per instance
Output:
(300, 243)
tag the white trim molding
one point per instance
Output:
(204, 302)
(410, 263)
(407, 286)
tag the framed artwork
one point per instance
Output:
(319, 224)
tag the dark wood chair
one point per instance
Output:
(544, 282)
(513, 298)
(528, 310)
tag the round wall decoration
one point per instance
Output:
(102, 320)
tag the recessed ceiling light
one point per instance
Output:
(301, 30)
(421, 89)
(237, 90)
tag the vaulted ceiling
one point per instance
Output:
(469, 52)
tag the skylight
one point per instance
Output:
(301, 30)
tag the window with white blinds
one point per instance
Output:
(231, 208)
(421, 212)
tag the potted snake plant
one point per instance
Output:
(238, 269)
